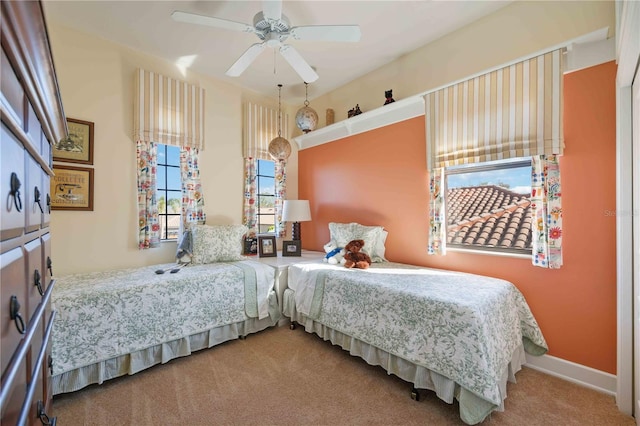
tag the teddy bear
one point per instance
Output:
(354, 257)
(335, 255)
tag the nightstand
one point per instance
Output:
(281, 265)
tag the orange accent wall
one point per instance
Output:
(380, 178)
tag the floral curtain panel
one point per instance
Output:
(546, 206)
(437, 223)
(249, 214)
(280, 173)
(192, 198)
(148, 224)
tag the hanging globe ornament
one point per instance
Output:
(306, 117)
(279, 147)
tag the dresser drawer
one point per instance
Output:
(12, 284)
(35, 201)
(12, 174)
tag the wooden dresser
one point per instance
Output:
(32, 119)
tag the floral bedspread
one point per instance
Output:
(107, 314)
(463, 326)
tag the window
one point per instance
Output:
(488, 206)
(169, 191)
(266, 191)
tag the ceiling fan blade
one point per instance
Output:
(298, 63)
(210, 21)
(272, 9)
(245, 60)
(327, 33)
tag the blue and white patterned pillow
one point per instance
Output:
(217, 243)
(374, 238)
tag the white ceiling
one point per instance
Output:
(390, 29)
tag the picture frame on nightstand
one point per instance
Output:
(267, 247)
(291, 248)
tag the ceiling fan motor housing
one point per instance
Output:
(266, 29)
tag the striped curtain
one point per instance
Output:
(512, 112)
(260, 128)
(168, 111)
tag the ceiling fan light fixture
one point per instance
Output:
(279, 147)
(306, 117)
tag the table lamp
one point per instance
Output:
(296, 211)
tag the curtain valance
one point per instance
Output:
(167, 111)
(514, 111)
(260, 128)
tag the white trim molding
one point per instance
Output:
(575, 373)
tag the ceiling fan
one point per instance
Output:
(273, 28)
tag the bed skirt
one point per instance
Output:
(162, 353)
(473, 409)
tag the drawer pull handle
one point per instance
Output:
(14, 313)
(49, 263)
(48, 203)
(36, 196)
(37, 282)
(15, 191)
(44, 418)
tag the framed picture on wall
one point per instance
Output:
(291, 248)
(71, 188)
(267, 246)
(78, 146)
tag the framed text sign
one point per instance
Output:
(78, 146)
(72, 188)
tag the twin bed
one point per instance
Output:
(110, 324)
(461, 335)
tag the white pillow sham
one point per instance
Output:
(374, 238)
(217, 243)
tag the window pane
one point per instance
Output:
(162, 157)
(161, 200)
(173, 178)
(161, 175)
(173, 155)
(173, 226)
(488, 206)
(174, 203)
(266, 168)
(266, 185)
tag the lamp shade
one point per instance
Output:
(296, 211)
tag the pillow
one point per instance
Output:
(374, 238)
(217, 243)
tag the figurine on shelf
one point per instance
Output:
(389, 95)
(354, 111)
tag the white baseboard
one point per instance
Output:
(575, 373)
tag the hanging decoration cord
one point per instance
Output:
(279, 119)
(306, 94)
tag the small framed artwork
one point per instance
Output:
(267, 246)
(250, 246)
(78, 146)
(71, 188)
(291, 248)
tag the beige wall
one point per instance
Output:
(517, 30)
(96, 83)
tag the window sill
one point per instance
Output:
(489, 253)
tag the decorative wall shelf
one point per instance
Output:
(395, 112)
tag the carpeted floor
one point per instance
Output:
(284, 377)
